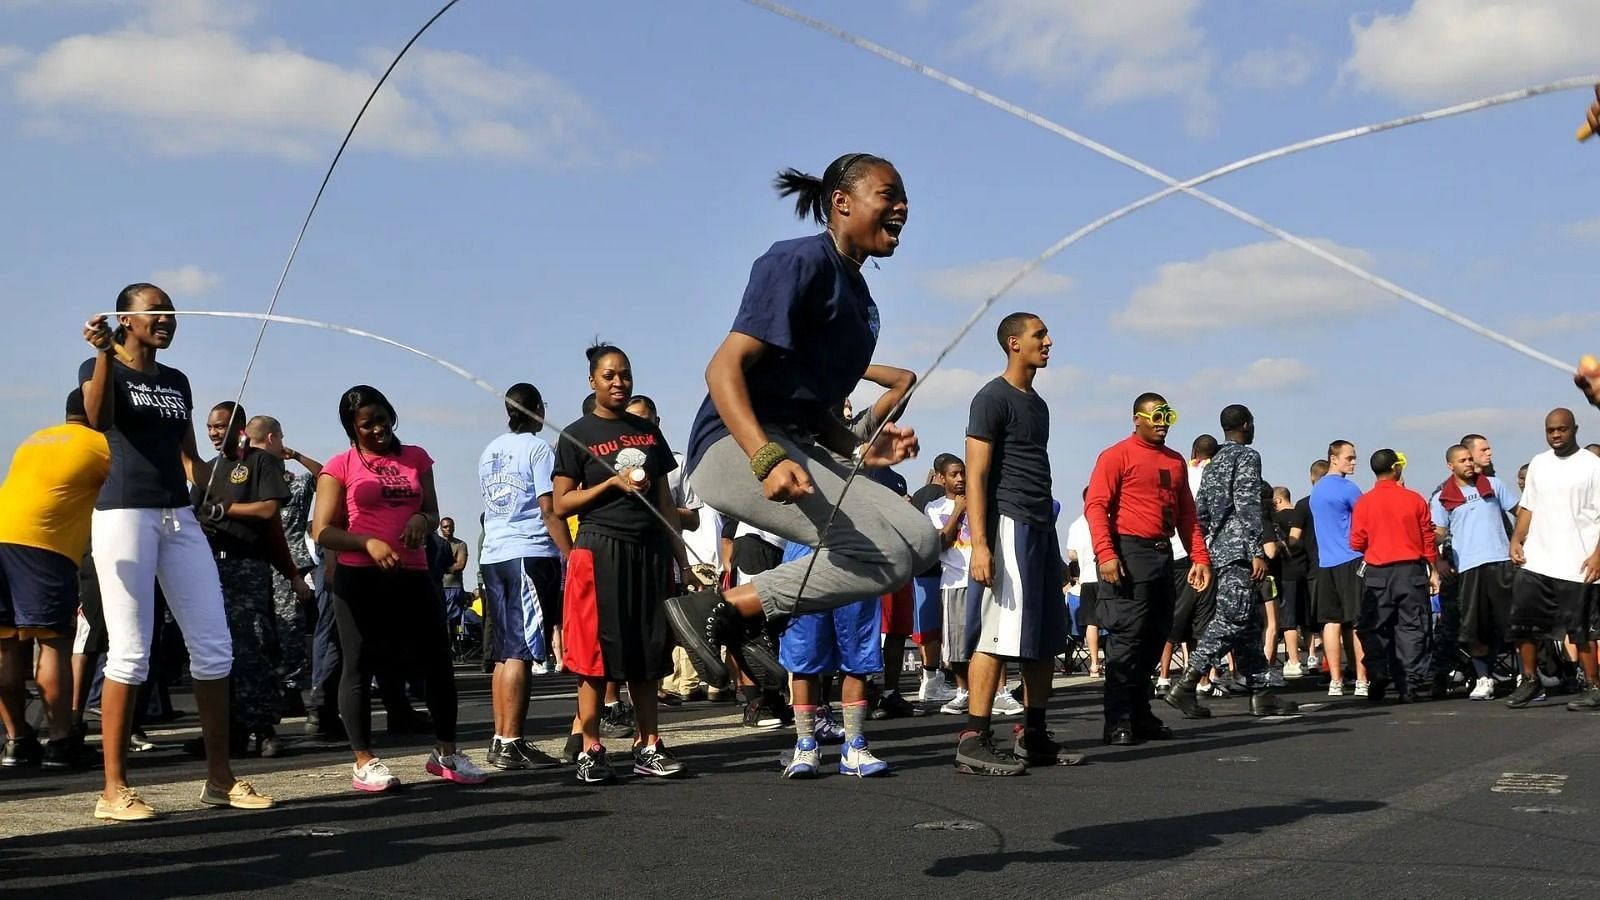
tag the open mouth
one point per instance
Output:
(893, 228)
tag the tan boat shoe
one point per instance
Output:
(242, 795)
(128, 807)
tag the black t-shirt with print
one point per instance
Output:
(152, 412)
(623, 442)
(256, 476)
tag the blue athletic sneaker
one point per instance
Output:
(858, 760)
(828, 730)
(807, 760)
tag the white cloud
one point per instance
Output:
(1584, 231)
(1151, 49)
(1268, 283)
(1561, 323)
(972, 283)
(1275, 69)
(1446, 50)
(10, 56)
(180, 81)
(1265, 375)
(1452, 423)
(186, 281)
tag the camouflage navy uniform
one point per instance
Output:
(1228, 506)
(291, 619)
(243, 548)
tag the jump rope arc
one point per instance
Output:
(294, 249)
(1174, 186)
(446, 364)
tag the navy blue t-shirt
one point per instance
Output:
(152, 416)
(813, 311)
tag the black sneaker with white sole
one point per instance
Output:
(537, 759)
(593, 767)
(616, 720)
(655, 761)
(506, 755)
(703, 623)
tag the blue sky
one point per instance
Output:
(539, 174)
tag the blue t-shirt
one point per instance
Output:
(1332, 500)
(514, 471)
(814, 312)
(1478, 529)
(889, 478)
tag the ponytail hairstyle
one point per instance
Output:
(600, 350)
(351, 402)
(813, 196)
(125, 300)
(524, 408)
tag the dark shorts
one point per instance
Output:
(1089, 604)
(1339, 593)
(522, 595)
(1483, 594)
(38, 593)
(1023, 613)
(95, 639)
(1294, 604)
(1545, 608)
(1193, 612)
(615, 626)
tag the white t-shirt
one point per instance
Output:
(1563, 497)
(1195, 471)
(1079, 542)
(956, 558)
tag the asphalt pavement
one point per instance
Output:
(1452, 798)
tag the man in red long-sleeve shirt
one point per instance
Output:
(1393, 530)
(1138, 497)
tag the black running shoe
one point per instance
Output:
(976, 754)
(69, 753)
(616, 721)
(593, 768)
(893, 706)
(20, 752)
(506, 755)
(757, 653)
(1589, 701)
(703, 623)
(1040, 748)
(537, 759)
(655, 761)
(1529, 691)
(758, 713)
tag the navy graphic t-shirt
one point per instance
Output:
(813, 311)
(152, 417)
(624, 442)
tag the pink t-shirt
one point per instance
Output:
(381, 493)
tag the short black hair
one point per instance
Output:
(1320, 467)
(1235, 417)
(1148, 397)
(1384, 461)
(1451, 451)
(1013, 325)
(236, 417)
(589, 403)
(75, 407)
(648, 403)
(813, 196)
(1204, 447)
(944, 461)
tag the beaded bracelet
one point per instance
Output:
(766, 459)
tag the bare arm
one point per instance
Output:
(556, 525)
(569, 499)
(329, 522)
(896, 383)
(730, 393)
(460, 563)
(668, 510)
(311, 465)
(979, 454)
(260, 510)
(99, 400)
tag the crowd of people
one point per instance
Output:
(780, 556)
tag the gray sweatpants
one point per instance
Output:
(878, 541)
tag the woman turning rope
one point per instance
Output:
(762, 449)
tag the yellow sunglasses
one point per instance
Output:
(1161, 415)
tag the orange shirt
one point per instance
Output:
(49, 493)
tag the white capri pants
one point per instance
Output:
(133, 548)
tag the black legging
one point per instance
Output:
(390, 622)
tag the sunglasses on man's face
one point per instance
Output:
(1161, 415)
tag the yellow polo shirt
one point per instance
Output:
(49, 493)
